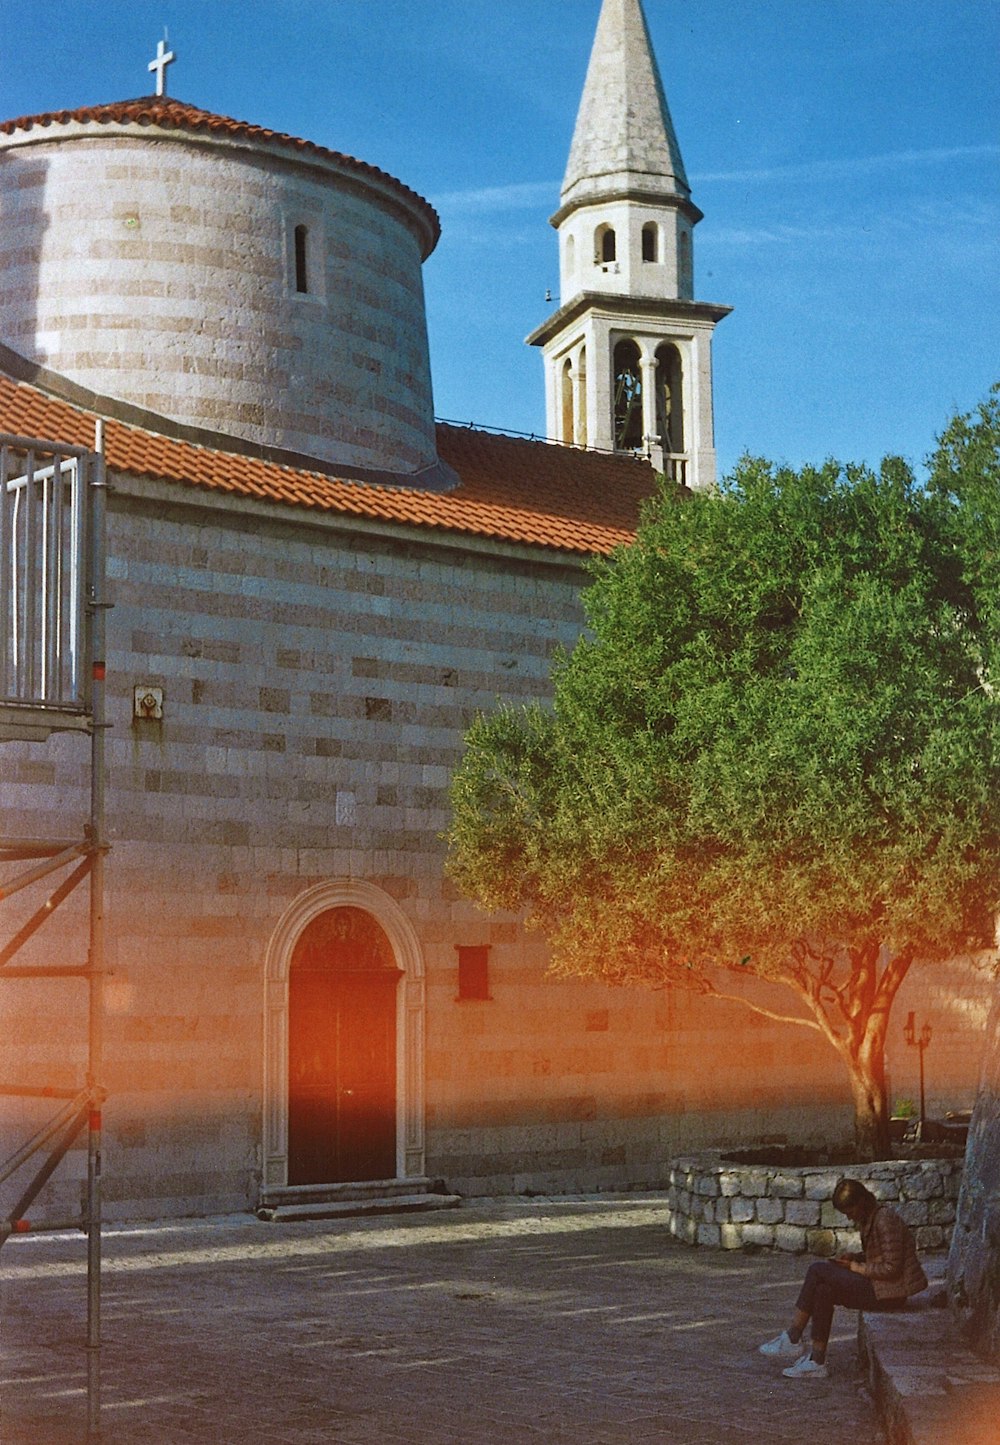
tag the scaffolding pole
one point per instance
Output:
(95, 1059)
(52, 678)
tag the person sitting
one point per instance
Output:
(881, 1277)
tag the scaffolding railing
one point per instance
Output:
(52, 669)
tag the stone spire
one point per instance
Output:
(624, 142)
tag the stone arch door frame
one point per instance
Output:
(345, 893)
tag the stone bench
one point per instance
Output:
(928, 1386)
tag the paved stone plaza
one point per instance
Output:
(520, 1319)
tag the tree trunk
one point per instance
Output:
(871, 1111)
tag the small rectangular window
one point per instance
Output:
(301, 269)
(473, 971)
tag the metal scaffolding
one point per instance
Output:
(52, 668)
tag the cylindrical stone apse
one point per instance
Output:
(222, 275)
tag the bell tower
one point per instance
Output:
(628, 363)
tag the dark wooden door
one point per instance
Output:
(342, 1053)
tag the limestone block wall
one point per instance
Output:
(717, 1202)
(954, 999)
(316, 685)
(159, 267)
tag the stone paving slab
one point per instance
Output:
(556, 1321)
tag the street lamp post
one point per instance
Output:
(920, 1042)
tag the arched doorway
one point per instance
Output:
(294, 972)
(342, 1051)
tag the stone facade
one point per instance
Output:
(717, 1202)
(317, 679)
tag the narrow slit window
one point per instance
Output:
(649, 241)
(301, 259)
(473, 971)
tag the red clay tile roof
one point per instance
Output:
(171, 114)
(532, 493)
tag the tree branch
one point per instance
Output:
(768, 1013)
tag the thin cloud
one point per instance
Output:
(821, 170)
(525, 195)
(528, 195)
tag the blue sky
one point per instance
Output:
(846, 154)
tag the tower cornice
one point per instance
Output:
(640, 195)
(600, 303)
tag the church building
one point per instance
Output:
(308, 590)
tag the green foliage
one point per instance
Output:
(775, 731)
(775, 749)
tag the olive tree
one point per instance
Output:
(772, 754)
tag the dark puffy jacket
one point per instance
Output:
(890, 1256)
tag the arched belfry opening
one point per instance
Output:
(670, 401)
(344, 1040)
(627, 395)
(342, 1051)
(568, 409)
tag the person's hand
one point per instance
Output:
(844, 1260)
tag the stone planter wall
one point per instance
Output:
(724, 1205)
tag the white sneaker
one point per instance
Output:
(781, 1348)
(805, 1368)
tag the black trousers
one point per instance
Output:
(827, 1285)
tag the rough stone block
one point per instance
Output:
(930, 1236)
(754, 1184)
(912, 1211)
(729, 1184)
(708, 1186)
(820, 1186)
(822, 1242)
(731, 1236)
(709, 1234)
(927, 1185)
(786, 1186)
(770, 1211)
(761, 1235)
(884, 1189)
(802, 1211)
(941, 1211)
(790, 1238)
(687, 1230)
(741, 1211)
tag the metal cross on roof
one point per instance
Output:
(164, 57)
